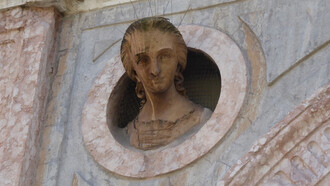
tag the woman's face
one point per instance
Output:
(154, 58)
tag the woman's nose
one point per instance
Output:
(155, 70)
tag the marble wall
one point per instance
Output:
(294, 152)
(285, 46)
(26, 50)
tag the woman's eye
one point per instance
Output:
(141, 60)
(165, 56)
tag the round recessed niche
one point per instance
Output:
(103, 118)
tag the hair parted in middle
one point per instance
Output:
(148, 24)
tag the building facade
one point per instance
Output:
(60, 63)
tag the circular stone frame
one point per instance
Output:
(118, 159)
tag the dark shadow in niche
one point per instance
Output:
(202, 81)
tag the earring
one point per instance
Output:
(139, 90)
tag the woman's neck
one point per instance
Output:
(169, 105)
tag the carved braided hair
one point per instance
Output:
(163, 25)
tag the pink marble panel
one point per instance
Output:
(26, 37)
(127, 162)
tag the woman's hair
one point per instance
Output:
(145, 25)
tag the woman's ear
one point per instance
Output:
(178, 69)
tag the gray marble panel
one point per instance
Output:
(290, 30)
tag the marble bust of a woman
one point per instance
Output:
(154, 55)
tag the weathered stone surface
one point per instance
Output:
(306, 24)
(294, 152)
(67, 6)
(153, 7)
(26, 41)
(57, 107)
